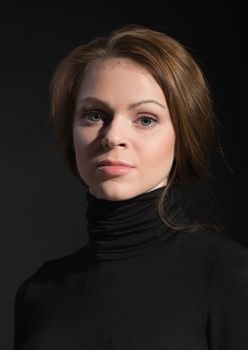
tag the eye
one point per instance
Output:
(147, 120)
(92, 116)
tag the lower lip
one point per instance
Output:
(115, 170)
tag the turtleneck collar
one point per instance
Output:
(125, 228)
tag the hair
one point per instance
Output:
(182, 82)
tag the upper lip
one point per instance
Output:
(114, 163)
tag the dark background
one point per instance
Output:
(42, 204)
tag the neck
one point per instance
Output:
(122, 229)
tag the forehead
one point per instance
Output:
(115, 63)
(119, 78)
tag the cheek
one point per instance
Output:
(81, 143)
(81, 140)
(169, 146)
(161, 150)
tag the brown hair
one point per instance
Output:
(179, 77)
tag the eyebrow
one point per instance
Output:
(89, 100)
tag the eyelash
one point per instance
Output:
(85, 113)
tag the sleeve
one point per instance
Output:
(228, 311)
(20, 316)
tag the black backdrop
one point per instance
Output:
(42, 205)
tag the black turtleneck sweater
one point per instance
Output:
(137, 285)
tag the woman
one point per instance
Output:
(134, 120)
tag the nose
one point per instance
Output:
(114, 133)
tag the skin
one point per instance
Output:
(118, 132)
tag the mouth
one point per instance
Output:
(115, 169)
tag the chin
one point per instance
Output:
(113, 196)
(116, 191)
(113, 192)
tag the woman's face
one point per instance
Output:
(122, 115)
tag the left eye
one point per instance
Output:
(149, 119)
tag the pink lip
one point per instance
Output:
(108, 162)
(115, 169)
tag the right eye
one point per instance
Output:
(92, 116)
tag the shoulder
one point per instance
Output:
(230, 266)
(227, 301)
(224, 263)
(57, 270)
(221, 248)
(220, 256)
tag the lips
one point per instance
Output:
(108, 162)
